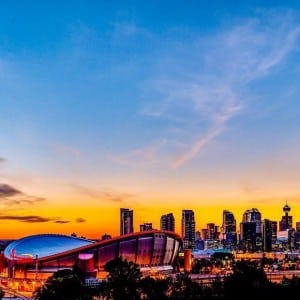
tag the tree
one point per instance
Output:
(186, 289)
(201, 265)
(220, 259)
(247, 282)
(63, 285)
(154, 289)
(122, 280)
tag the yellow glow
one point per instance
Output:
(104, 218)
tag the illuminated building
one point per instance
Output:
(253, 215)
(212, 231)
(126, 221)
(248, 236)
(269, 234)
(250, 228)
(204, 234)
(145, 227)
(187, 258)
(167, 222)
(286, 220)
(229, 229)
(297, 236)
(41, 255)
(188, 229)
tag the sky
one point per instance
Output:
(156, 106)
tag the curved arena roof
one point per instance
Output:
(42, 245)
(155, 248)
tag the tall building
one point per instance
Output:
(126, 221)
(248, 236)
(251, 237)
(188, 229)
(204, 234)
(167, 222)
(286, 220)
(145, 227)
(253, 215)
(269, 234)
(212, 231)
(297, 236)
(229, 222)
(229, 229)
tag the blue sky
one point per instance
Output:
(134, 103)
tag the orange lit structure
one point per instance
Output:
(40, 255)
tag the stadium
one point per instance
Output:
(39, 256)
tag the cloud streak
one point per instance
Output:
(102, 195)
(26, 219)
(80, 220)
(7, 190)
(61, 222)
(11, 197)
(33, 219)
(201, 96)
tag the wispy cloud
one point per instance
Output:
(80, 220)
(7, 190)
(33, 219)
(2, 160)
(67, 150)
(12, 197)
(106, 195)
(26, 200)
(26, 219)
(148, 155)
(206, 84)
(61, 222)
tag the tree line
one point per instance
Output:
(125, 282)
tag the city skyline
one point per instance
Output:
(154, 106)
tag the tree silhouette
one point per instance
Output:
(201, 265)
(185, 288)
(123, 279)
(220, 259)
(154, 289)
(63, 285)
(247, 282)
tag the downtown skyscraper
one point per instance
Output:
(167, 222)
(229, 229)
(126, 221)
(188, 229)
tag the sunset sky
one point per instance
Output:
(157, 106)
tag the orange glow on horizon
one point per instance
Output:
(96, 221)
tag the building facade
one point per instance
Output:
(250, 231)
(167, 222)
(42, 255)
(126, 221)
(188, 229)
(145, 227)
(229, 229)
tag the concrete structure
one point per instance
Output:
(38, 256)
(187, 257)
(126, 221)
